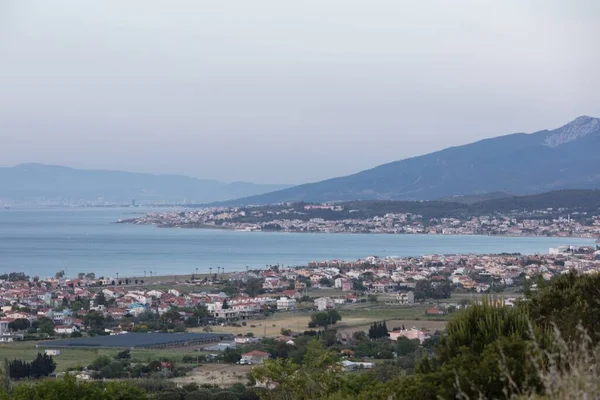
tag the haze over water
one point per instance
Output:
(43, 241)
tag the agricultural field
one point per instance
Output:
(216, 374)
(71, 358)
(353, 316)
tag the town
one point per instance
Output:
(184, 330)
(328, 218)
(36, 308)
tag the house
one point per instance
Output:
(4, 326)
(434, 311)
(285, 304)
(351, 365)
(324, 303)
(406, 297)
(254, 357)
(245, 340)
(347, 285)
(52, 352)
(292, 294)
(413, 333)
(65, 330)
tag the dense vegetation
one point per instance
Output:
(579, 201)
(489, 351)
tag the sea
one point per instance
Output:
(42, 241)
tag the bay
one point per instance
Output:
(45, 240)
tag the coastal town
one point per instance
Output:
(217, 330)
(329, 218)
(72, 306)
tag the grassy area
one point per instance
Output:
(71, 358)
(354, 316)
(68, 358)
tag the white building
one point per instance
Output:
(324, 303)
(52, 352)
(406, 297)
(286, 304)
(254, 357)
(64, 329)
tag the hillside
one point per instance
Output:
(563, 158)
(553, 204)
(37, 182)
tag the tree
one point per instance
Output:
(325, 282)
(19, 324)
(171, 316)
(567, 301)
(378, 330)
(124, 355)
(372, 298)
(318, 376)
(44, 325)
(100, 298)
(60, 274)
(19, 369)
(232, 355)
(225, 305)
(70, 388)
(95, 320)
(325, 318)
(43, 365)
(81, 275)
(406, 346)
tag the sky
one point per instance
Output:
(273, 91)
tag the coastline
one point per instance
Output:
(224, 228)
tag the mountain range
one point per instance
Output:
(520, 164)
(38, 182)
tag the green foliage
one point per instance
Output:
(480, 325)
(69, 388)
(43, 365)
(318, 376)
(489, 351)
(378, 330)
(324, 318)
(123, 355)
(566, 302)
(372, 298)
(432, 290)
(406, 346)
(19, 324)
(231, 355)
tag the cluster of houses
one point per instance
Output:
(65, 301)
(543, 222)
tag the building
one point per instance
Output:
(254, 357)
(286, 304)
(64, 329)
(351, 365)
(347, 285)
(406, 297)
(324, 303)
(411, 334)
(52, 352)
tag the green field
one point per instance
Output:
(71, 358)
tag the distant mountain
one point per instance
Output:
(29, 182)
(564, 158)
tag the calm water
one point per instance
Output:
(43, 241)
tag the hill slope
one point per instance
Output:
(563, 158)
(37, 181)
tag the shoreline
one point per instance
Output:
(221, 228)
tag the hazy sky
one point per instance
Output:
(284, 91)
